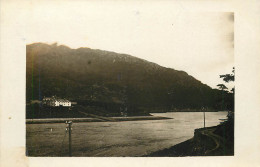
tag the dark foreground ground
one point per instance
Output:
(212, 141)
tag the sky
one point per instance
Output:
(199, 43)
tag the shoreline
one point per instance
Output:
(205, 142)
(107, 119)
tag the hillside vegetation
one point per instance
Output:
(110, 80)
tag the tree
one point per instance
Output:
(228, 98)
(229, 78)
(222, 87)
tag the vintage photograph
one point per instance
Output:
(128, 81)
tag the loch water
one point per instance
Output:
(117, 139)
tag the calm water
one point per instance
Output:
(129, 138)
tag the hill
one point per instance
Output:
(105, 79)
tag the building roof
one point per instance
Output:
(62, 100)
(56, 99)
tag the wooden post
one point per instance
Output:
(204, 119)
(70, 143)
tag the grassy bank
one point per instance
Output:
(36, 111)
(97, 119)
(212, 141)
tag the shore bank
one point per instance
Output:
(103, 119)
(211, 141)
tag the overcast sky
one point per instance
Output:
(202, 44)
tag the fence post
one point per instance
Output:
(69, 123)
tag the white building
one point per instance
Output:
(62, 102)
(56, 102)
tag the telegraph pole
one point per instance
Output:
(203, 109)
(204, 118)
(69, 124)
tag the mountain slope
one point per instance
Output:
(95, 76)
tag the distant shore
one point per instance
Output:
(184, 110)
(102, 119)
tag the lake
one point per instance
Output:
(116, 139)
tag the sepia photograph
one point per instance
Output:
(138, 85)
(129, 83)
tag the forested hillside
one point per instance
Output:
(105, 78)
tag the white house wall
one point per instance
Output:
(57, 102)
